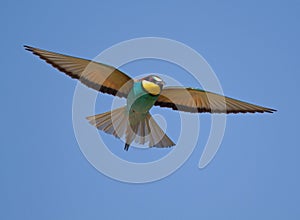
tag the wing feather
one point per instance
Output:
(98, 76)
(196, 100)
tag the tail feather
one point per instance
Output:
(158, 137)
(144, 130)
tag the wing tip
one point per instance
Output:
(265, 110)
(29, 48)
(270, 110)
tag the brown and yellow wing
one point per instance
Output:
(95, 75)
(196, 100)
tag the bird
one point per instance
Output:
(133, 122)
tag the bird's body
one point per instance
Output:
(133, 121)
(135, 117)
(139, 100)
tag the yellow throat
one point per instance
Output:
(151, 87)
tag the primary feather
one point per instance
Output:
(101, 77)
(196, 100)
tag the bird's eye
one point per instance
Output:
(157, 79)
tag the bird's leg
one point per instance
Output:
(126, 147)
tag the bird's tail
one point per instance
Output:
(138, 129)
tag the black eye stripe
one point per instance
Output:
(153, 79)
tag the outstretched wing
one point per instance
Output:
(95, 75)
(196, 100)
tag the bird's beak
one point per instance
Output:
(161, 84)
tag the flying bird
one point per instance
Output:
(133, 121)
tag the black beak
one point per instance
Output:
(161, 84)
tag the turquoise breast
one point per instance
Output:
(139, 100)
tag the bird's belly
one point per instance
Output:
(139, 101)
(142, 104)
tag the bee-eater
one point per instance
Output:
(133, 121)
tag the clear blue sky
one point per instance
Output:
(253, 48)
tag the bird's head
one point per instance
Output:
(152, 84)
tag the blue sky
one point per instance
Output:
(253, 48)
